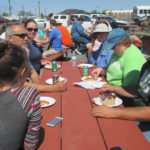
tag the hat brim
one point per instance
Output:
(100, 31)
(142, 33)
(108, 46)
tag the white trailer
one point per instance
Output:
(140, 11)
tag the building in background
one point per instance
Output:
(120, 14)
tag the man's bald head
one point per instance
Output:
(18, 29)
(15, 29)
(16, 34)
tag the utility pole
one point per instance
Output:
(9, 8)
(45, 12)
(39, 8)
(23, 11)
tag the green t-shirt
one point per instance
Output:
(40, 34)
(125, 70)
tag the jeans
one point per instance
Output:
(145, 128)
(83, 41)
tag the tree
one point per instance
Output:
(104, 12)
(4, 14)
(29, 14)
(94, 12)
(110, 13)
(22, 13)
(42, 15)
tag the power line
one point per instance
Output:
(10, 7)
(39, 8)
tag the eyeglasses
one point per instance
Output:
(20, 35)
(34, 29)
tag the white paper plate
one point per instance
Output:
(98, 79)
(85, 65)
(50, 81)
(49, 66)
(118, 102)
(49, 100)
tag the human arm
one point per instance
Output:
(99, 71)
(80, 30)
(104, 58)
(45, 62)
(58, 87)
(43, 41)
(34, 116)
(34, 76)
(136, 113)
(123, 91)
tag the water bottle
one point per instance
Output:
(74, 59)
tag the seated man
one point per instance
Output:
(71, 19)
(140, 96)
(66, 38)
(54, 38)
(79, 36)
(17, 35)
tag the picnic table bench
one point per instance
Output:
(79, 130)
(55, 56)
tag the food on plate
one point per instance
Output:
(85, 65)
(44, 102)
(89, 78)
(49, 66)
(81, 65)
(108, 99)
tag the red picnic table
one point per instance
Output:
(79, 130)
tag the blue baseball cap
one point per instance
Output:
(113, 38)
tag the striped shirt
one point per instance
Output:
(29, 99)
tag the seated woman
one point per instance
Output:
(99, 56)
(125, 64)
(20, 113)
(34, 51)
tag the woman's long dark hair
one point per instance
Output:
(12, 61)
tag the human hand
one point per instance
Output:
(61, 86)
(107, 88)
(45, 62)
(97, 71)
(89, 46)
(105, 112)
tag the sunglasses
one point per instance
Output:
(34, 29)
(20, 35)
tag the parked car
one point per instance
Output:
(113, 21)
(87, 20)
(62, 18)
(40, 23)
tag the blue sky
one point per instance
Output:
(56, 6)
